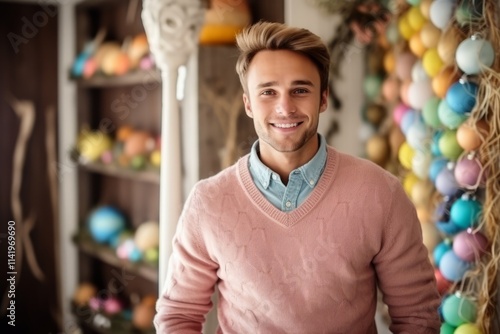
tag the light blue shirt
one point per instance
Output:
(301, 181)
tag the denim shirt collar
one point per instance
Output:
(311, 171)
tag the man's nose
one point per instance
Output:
(285, 105)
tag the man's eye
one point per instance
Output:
(267, 92)
(300, 91)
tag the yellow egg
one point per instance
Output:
(415, 18)
(404, 27)
(155, 158)
(432, 62)
(430, 236)
(409, 181)
(405, 155)
(429, 34)
(421, 192)
(416, 45)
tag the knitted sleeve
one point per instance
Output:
(404, 272)
(191, 276)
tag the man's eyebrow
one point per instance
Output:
(294, 83)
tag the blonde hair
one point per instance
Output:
(278, 36)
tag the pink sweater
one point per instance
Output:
(313, 270)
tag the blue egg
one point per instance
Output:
(410, 117)
(448, 117)
(452, 267)
(448, 228)
(465, 212)
(436, 166)
(440, 250)
(446, 184)
(461, 97)
(435, 150)
(105, 223)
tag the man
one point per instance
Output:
(296, 236)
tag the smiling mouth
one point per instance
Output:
(286, 125)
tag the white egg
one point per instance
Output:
(441, 12)
(419, 93)
(473, 55)
(418, 72)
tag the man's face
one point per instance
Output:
(284, 99)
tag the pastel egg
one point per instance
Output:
(432, 62)
(419, 92)
(415, 18)
(421, 192)
(408, 119)
(418, 72)
(404, 64)
(445, 183)
(452, 267)
(465, 212)
(425, 7)
(405, 155)
(470, 138)
(448, 43)
(468, 173)
(467, 328)
(418, 136)
(430, 112)
(458, 310)
(445, 327)
(404, 27)
(435, 150)
(421, 163)
(430, 235)
(416, 46)
(474, 54)
(372, 85)
(440, 250)
(448, 228)
(443, 80)
(403, 91)
(389, 61)
(448, 117)
(430, 35)
(470, 246)
(448, 145)
(365, 131)
(435, 167)
(440, 12)
(390, 89)
(396, 139)
(461, 96)
(399, 111)
(408, 182)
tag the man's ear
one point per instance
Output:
(248, 108)
(324, 101)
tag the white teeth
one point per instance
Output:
(286, 126)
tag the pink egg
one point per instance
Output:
(399, 111)
(468, 173)
(390, 89)
(95, 303)
(112, 305)
(404, 65)
(403, 91)
(470, 246)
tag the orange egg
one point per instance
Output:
(443, 80)
(137, 49)
(122, 64)
(416, 45)
(425, 8)
(142, 316)
(390, 89)
(123, 132)
(138, 143)
(469, 138)
(389, 61)
(429, 34)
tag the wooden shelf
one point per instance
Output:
(149, 174)
(107, 255)
(118, 324)
(138, 77)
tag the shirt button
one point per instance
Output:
(275, 177)
(264, 184)
(311, 182)
(288, 204)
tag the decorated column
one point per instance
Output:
(172, 28)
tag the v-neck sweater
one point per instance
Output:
(315, 269)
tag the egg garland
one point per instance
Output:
(470, 246)
(458, 310)
(448, 117)
(465, 212)
(461, 96)
(469, 172)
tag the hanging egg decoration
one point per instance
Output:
(461, 96)
(418, 136)
(448, 145)
(452, 267)
(445, 183)
(469, 245)
(465, 212)
(440, 12)
(469, 172)
(430, 113)
(448, 43)
(443, 80)
(469, 138)
(458, 310)
(448, 117)
(440, 250)
(419, 92)
(372, 86)
(436, 166)
(474, 54)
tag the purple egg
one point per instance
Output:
(468, 173)
(470, 246)
(445, 183)
(452, 267)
